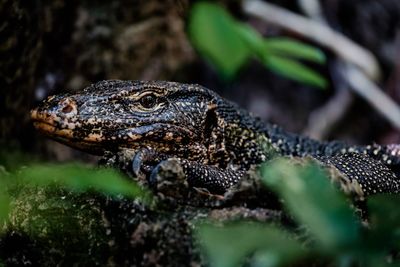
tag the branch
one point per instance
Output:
(373, 94)
(322, 120)
(323, 35)
(360, 65)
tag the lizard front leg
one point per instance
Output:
(215, 180)
(161, 169)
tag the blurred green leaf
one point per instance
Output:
(294, 70)
(5, 206)
(80, 178)
(229, 245)
(276, 53)
(384, 214)
(290, 48)
(252, 38)
(12, 159)
(214, 34)
(311, 198)
(228, 44)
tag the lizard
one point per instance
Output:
(213, 140)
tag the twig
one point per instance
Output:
(325, 36)
(373, 94)
(322, 120)
(360, 64)
(312, 9)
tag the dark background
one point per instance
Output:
(52, 46)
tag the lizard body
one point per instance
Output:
(213, 139)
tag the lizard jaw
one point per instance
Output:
(62, 130)
(45, 123)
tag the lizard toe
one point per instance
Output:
(145, 160)
(167, 173)
(136, 164)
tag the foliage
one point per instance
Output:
(4, 202)
(334, 236)
(229, 44)
(227, 246)
(309, 196)
(73, 177)
(334, 233)
(80, 178)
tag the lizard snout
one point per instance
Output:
(55, 113)
(68, 107)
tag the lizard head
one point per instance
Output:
(113, 115)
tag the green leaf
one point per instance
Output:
(252, 38)
(311, 198)
(5, 201)
(13, 159)
(5, 205)
(294, 70)
(80, 178)
(214, 34)
(384, 218)
(229, 245)
(290, 48)
(229, 44)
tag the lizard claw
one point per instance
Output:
(137, 163)
(168, 175)
(144, 161)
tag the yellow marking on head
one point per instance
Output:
(94, 137)
(169, 136)
(134, 137)
(51, 130)
(211, 106)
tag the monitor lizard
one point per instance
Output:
(212, 139)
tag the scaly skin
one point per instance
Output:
(213, 140)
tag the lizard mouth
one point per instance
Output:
(65, 136)
(46, 123)
(65, 131)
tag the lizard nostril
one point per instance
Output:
(67, 109)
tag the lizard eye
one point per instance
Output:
(148, 101)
